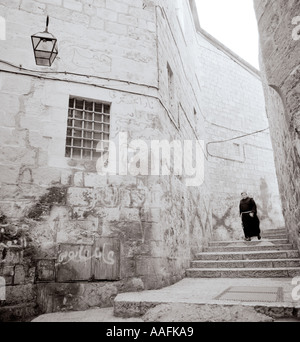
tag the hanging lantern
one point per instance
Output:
(44, 47)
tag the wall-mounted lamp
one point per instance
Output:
(44, 47)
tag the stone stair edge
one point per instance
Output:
(249, 248)
(274, 231)
(251, 244)
(243, 261)
(245, 269)
(248, 242)
(273, 310)
(249, 252)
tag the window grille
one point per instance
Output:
(88, 129)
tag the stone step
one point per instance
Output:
(249, 248)
(264, 263)
(274, 236)
(288, 272)
(254, 255)
(247, 243)
(274, 231)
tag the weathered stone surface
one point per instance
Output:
(279, 41)
(11, 256)
(246, 243)
(20, 294)
(80, 197)
(121, 56)
(93, 315)
(243, 273)
(235, 264)
(19, 275)
(204, 313)
(286, 263)
(45, 271)
(106, 315)
(7, 272)
(19, 313)
(260, 247)
(82, 296)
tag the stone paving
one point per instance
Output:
(204, 292)
(191, 300)
(93, 315)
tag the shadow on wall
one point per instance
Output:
(265, 205)
(226, 220)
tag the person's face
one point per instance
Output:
(244, 195)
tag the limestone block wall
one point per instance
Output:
(278, 23)
(177, 50)
(232, 102)
(121, 53)
(164, 81)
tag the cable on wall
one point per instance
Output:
(232, 139)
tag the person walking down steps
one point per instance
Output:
(250, 220)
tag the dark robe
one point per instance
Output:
(250, 224)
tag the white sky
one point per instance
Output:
(234, 24)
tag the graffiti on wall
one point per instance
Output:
(101, 261)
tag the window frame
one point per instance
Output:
(82, 136)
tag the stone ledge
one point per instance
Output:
(204, 312)
(202, 292)
(261, 247)
(243, 272)
(255, 255)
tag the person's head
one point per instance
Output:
(244, 195)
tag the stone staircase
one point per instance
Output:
(272, 257)
(232, 281)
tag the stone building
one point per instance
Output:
(279, 29)
(132, 72)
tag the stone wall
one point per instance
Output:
(86, 237)
(156, 223)
(278, 23)
(232, 102)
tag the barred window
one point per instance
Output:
(88, 129)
